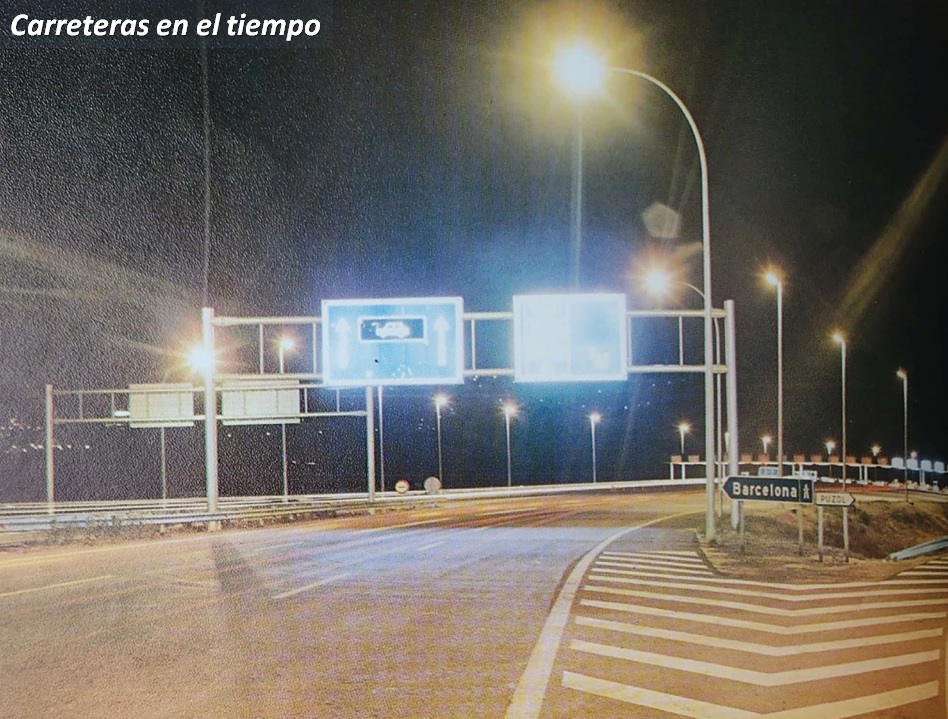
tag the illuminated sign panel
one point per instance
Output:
(570, 338)
(418, 340)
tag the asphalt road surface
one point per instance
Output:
(541, 607)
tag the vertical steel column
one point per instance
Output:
(730, 352)
(210, 409)
(370, 441)
(50, 501)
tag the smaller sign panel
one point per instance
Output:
(160, 405)
(793, 490)
(260, 401)
(835, 499)
(570, 338)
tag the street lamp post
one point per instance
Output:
(510, 410)
(683, 429)
(765, 441)
(594, 419)
(583, 69)
(903, 375)
(285, 344)
(440, 401)
(774, 279)
(841, 341)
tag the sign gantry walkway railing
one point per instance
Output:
(373, 343)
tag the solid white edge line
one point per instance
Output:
(531, 689)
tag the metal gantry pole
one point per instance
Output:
(50, 439)
(164, 467)
(780, 378)
(370, 441)
(381, 443)
(730, 351)
(577, 201)
(507, 425)
(592, 425)
(210, 410)
(438, 423)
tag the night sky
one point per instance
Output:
(427, 152)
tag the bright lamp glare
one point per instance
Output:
(838, 338)
(441, 400)
(595, 417)
(772, 278)
(657, 282)
(580, 70)
(510, 410)
(201, 360)
(287, 343)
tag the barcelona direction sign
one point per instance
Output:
(835, 499)
(411, 340)
(793, 490)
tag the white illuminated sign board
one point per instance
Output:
(415, 340)
(570, 338)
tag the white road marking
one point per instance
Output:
(629, 578)
(754, 648)
(674, 570)
(749, 676)
(267, 548)
(312, 585)
(654, 553)
(696, 709)
(59, 585)
(531, 689)
(760, 608)
(653, 558)
(430, 546)
(760, 626)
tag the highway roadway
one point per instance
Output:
(586, 606)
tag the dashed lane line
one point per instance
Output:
(311, 585)
(760, 626)
(749, 676)
(755, 648)
(695, 709)
(59, 585)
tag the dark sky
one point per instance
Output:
(426, 152)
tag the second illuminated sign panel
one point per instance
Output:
(570, 338)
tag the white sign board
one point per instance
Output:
(260, 401)
(570, 338)
(160, 405)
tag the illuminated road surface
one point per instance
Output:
(480, 610)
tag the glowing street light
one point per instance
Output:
(875, 449)
(285, 344)
(594, 419)
(774, 280)
(683, 429)
(830, 445)
(201, 360)
(510, 410)
(577, 65)
(440, 400)
(765, 441)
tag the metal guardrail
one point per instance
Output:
(34, 516)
